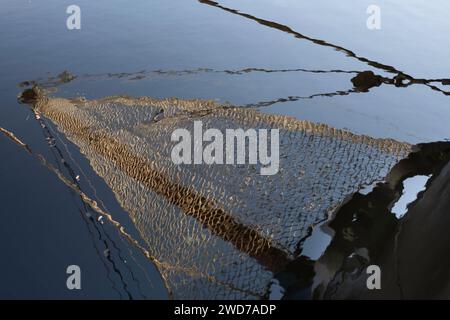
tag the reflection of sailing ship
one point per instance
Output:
(219, 231)
(224, 231)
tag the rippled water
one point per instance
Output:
(287, 57)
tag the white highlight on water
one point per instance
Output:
(411, 188)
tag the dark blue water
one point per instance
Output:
(276, 54)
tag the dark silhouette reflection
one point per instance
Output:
(367, 79)
(363, 227)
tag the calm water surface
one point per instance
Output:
(274, 54)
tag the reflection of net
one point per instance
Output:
(219, 231)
